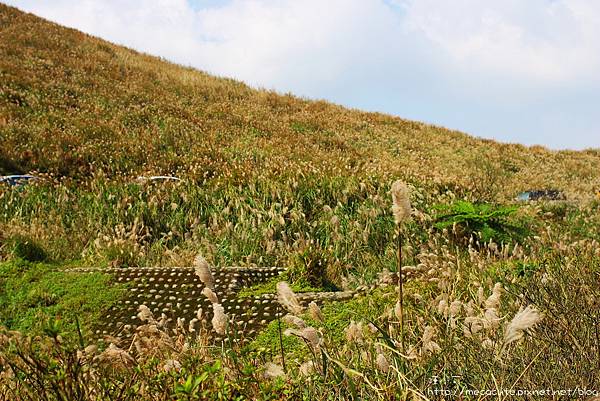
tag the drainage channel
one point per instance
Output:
(176, 294)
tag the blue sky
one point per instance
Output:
(511, 70)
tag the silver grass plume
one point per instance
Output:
(307, 368)
(315, 312)
(192, 325)
(287, 298)
(171, 365)
(219, 320)
(202, 270)
(144, 314)
(429, 345)
(115, 357)
(523, 321)
(354, 332)
(382, 363)
(294, 321)
(401, 208)
(398, 310)
(309, 334)
(493, 300)
(273, 370)
(210, 295)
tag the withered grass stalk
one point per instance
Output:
(401, 210)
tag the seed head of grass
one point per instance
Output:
(273, 370)
(115, 358)
(171, 365)
(455, 308)
(145, 314)
(309, 334)
(307, 368)
(287, 298)
(398, 310)
(315, 312)
(202, 269)
(429, 345)
(294, 321)
(524, 320)
(354, 333)
(210, 295)
(382, 363)
(192, 325)
(493, 300)
(219, 320)
(401, 208)
(491, 320)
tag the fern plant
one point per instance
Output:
(482, 220)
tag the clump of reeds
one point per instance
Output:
(115, 358)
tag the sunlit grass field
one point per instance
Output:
(274, 180)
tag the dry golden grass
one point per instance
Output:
(73, 105)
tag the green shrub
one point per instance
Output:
(25, 248)
(485, 221)
(313, 267)
(120, 255)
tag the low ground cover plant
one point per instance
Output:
(481, 221)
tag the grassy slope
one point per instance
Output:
(73, 104)
(80, 107)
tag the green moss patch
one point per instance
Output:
(270, 287)
(337, 316)
(33, 293)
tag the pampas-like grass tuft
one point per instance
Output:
(144, 314)
(308, 334)
(202, 269)
(210, 295)
(273, 370)
(219, 320)
(287, 298)
(116, 358)
(401, 208)
(315, 312)
(294, 321)
(382, 363)
(524, 320)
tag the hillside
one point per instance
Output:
(497, 296)
(73, 104)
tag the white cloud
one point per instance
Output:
(461, 63)
(551, 42)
